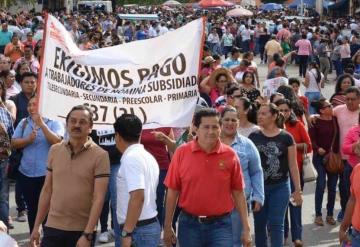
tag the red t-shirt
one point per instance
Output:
(156, 148)
(205, 181)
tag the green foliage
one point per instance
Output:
(8, 3)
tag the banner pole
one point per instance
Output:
(42, 60)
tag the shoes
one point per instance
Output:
(10, 223)
(298, 243)
(111, 233)
(21, 216)
(330, 220)
(319, 221)
(104, 237)
(340, 216)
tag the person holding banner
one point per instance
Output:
(34, 135)
(207, 191)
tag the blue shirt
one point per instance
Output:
(34, 160)
(251, 168)
(5, 38)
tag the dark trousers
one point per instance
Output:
(160, 196)
(344, 185)
(32, 188)
(19, 197)
(59, 238)
(303, 62)
(321, 184)
(105, 213)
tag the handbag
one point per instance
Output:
(309, 172)
(15, 158)
(333, 161)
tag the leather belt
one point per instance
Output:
(206, 219)
(144, 222)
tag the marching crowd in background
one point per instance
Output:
(246, 150)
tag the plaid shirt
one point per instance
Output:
(6, 119)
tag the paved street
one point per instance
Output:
(312, 234)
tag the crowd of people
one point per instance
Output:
(245, 150)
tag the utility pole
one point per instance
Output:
(302, 8)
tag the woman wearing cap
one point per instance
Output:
(208, 67)
(216, 84)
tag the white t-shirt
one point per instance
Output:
(313, 84)
(138, 170)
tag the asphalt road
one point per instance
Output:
(312, 234)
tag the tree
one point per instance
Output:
(8, 3)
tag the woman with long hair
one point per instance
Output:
(303, 145)
(248, 88)
(247, 116)
(322, 134)
(343, 82)
(250, 166)
(304, 51)
(278, 158)
(314, 81)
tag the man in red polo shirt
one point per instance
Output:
(205, 176)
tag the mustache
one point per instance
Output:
(76, 129)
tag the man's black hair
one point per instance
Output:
(129, 127)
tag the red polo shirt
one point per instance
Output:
(205, 180)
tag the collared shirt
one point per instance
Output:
(73, 181)
(12, 91)
(205, 181)
(251, 168)
(304, 46)
(138, 171)
(272, 47)
(228, 39)
(6, 119)
(230, 63)
(33, 161)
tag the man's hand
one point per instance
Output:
(159, 136)
(246, 238)
(126, 242)
(35, 237)
(343, 237)
(83, 242)
(321, 151)
(3, 227)
(257, 207)
(169, 236)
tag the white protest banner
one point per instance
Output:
(155, 79)
(271, 85)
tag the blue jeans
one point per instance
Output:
(246, 46)
(295, 216)
(195, 234)
(338, 67)
(321, 184)
(113, 197)
(237, 227)
(355, 237)
(273, 214)
(4, 193)
(147, 236)
(311, 97)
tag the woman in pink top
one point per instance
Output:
(345, 53)
(304, 51)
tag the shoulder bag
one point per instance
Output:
(309, 172)
(332, 161)
(15, 157)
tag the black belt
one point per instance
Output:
(206, 219)
(144, 222)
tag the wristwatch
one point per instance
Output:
(89, 236)
(125, 234)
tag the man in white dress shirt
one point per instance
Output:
(137, 181)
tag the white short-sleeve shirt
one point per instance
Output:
(138, 170)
